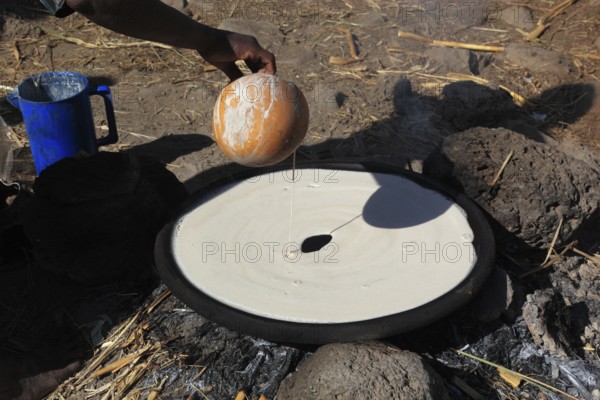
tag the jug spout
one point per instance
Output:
(13, 98)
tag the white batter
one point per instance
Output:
(234, 247)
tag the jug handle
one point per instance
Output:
(112, 136)
(13, 98)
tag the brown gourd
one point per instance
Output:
(260, 119)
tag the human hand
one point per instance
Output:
(228, 47)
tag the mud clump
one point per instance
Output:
(545, 314)
(363, 371)
(539, 186)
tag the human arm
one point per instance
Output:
(156, 21)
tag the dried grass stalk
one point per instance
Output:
(210, 68)
(515, 375)
(129, 380)
(16, 52)
(137, 335)
(517, 98)
(115, 339)
(122, 362)
(553, 12)
(446, 43)
(110, 45)
(593, 258)
(112, 341)
(551, 261)
(551, 249)
(162, 297)
(342, 60)
(537, 32)
(199, 374)
(350, 40)
(586, 55)
(544, 22)
(502, 167)
(414, 36)
(374, 5)
(589, 347)
(156, 391)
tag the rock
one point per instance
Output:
(538, 186)
(467, 104)
(519, 17)
(96, 218)
(370, 370)
(597, 43)
(454, 60)
(495, 297)
(545, 314)
(536, 59)
(267, 33)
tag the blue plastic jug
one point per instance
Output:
(58, 117)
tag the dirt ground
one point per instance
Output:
(391, 103)
(163, 92)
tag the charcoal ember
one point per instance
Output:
(234, 361)
(370, 370)
(95, 218)
(512, 347)
(582, 376)
(539, 186)
(547, 319)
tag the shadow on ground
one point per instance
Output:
(42, 308)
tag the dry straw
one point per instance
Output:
(544, 22)
(334, 60)
(446, 43)
(502, 168)
(127, 369)
(515, 379)
(107, 45)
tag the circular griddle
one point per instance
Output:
(372, 251)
